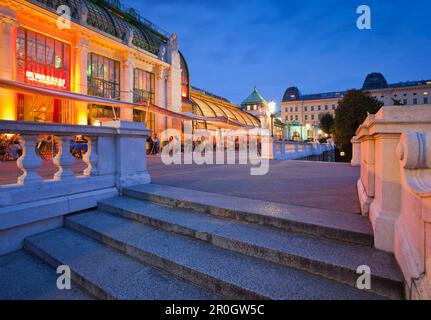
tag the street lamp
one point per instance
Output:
(271, 109)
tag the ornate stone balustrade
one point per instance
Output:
(115, 157)
(286, 150)
(395, 188)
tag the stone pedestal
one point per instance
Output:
(131, 159)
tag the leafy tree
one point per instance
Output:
(397, 102)
(326, 123)
(352, 110)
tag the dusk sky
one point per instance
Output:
(232, 45)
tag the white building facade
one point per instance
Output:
(302, 112)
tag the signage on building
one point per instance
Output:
(45, 79)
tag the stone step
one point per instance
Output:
(340, 226)
(24, 277)
(107, 273)
(223, 272)
(334, 260)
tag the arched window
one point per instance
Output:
(185, 79)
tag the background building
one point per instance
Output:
(257, 106)
(302, 112)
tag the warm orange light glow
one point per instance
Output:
(81, 113)
(7, 105)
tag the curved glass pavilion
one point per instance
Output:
(210, 106)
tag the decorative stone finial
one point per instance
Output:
(82, 13)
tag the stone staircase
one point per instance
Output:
(160, 242)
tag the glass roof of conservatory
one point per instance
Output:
(110, 17)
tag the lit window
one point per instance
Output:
(143, 86)
(103, 77)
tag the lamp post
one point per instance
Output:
(307, 128)
(271, 109)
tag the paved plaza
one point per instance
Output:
(322, 185)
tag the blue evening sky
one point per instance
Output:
(232, 45)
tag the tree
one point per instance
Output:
(326, 123)
(397, 102)
(352, 110)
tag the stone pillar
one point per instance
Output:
(385, 208)
(127, 77)
(366, 183)
(174, 83)
(173, 88)
(356, 152)
(131, 161)
(8, 25)
(80, 85)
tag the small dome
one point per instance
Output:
(292, 94)
(375, 81)
(254, 98)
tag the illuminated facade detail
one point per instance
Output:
(143, 86)
(106, 53)
(42, 60)
(45, 79)
(103, 76)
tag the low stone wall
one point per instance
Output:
(393, 149)
(285, 150)
(115, 158)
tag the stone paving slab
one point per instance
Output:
(24, 277)
(326, 223)
(226, 271)
(107, 273)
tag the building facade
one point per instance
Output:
(302, 112)
(88, 61)
(257, 106)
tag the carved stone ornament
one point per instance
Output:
(414, 152)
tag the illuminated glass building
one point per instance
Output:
(105, 62)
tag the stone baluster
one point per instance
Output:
(29, 162)
(64, 160)
(91, 157)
